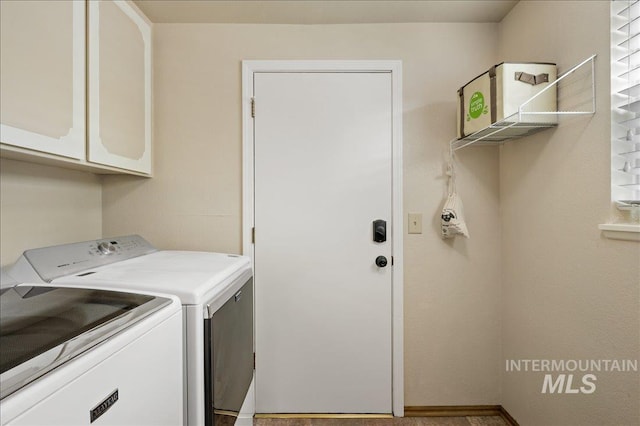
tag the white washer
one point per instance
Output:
(74, 356)
(209, 285)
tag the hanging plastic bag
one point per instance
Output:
(452, 213)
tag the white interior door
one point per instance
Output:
(322, 175)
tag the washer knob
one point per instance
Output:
(106, 248)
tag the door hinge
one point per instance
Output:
(253, 107)
(253, 235)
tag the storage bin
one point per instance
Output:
(498, 93)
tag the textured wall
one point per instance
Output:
(532, 206)
(568, 292)
(452, 289)
(42, 206)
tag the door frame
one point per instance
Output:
(385, 66)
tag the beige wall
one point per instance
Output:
(532, 206)
(42, 206)
(452, 289)
(568, 293)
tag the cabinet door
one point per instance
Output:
(119, 86)
(42, 76)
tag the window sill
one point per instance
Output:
(621, 231)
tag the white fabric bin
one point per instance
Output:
(498, 93)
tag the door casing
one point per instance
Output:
(395, 68)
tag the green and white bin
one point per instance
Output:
(498, 94)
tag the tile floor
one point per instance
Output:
(398, 421)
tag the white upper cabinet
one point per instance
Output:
(42, 76)
(119, 64)
(75, 84)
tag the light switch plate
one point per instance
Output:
(415, 223)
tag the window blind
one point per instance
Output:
(625, 101)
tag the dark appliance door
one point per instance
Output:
(229, 355)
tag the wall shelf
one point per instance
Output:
(576, 90)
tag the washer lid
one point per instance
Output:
(43, 327)
(195, 277)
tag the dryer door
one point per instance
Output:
(229, 355)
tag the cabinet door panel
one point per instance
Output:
(119, 86)
(42, 76)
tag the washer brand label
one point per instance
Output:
(101, 408)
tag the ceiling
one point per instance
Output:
(324, 11)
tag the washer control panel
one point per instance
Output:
(67, 259)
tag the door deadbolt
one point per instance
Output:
(379, 231)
